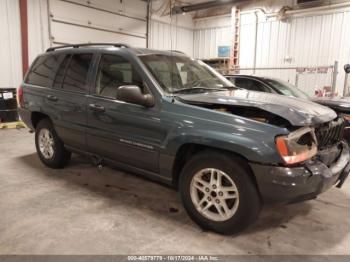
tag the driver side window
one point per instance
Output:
(113, 72)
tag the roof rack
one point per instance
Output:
(177, 51)
(88, 44)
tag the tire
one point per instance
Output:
(242, 202)
(49, 146)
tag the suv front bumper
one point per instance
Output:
(293, 184)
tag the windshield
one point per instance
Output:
(287, 89)
(181, 74)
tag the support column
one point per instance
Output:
(24, 34)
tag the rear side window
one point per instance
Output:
(42, 71)
(75, 78)
(73, 72)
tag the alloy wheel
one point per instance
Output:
(214, 194)
(46, 143)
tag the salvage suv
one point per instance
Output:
(174, 119)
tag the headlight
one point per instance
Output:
(298, 146)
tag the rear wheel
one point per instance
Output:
(218, 192)
(49, 146)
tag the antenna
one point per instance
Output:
(171, 44)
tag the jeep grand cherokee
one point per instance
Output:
(174, 119)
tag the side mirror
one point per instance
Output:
(347, 69)
(132, 94)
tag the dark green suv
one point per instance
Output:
(174, 119)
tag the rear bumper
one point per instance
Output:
(26, 117)
(284, 184)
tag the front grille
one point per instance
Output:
(330, 133)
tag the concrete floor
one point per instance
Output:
(79, 210)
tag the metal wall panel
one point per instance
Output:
(132, 8)
(313, 40)
(207, 41)
(209, 34)
(71, 34)
(97, 18)
(161, 34)
(77, 21)
(98, 21)
(38, 28)
(10, 44)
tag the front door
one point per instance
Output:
(127, 133)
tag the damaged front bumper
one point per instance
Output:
(293, 184)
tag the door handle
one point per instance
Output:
(96, 108)
(52, 98)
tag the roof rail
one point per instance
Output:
(88, 44)
(177, 51)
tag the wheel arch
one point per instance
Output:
(188, 150)
(36, 117)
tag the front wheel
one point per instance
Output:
(218, 192)
(49, 146)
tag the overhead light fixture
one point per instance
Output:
(202, 6)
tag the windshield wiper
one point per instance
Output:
(184, 90)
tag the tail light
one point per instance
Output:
(20, 99)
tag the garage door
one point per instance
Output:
(81, 21)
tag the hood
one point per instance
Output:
(341, 104)
(297, 111)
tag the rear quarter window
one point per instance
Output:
(42, 70)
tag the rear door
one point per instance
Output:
(67, 101)
(38, 82)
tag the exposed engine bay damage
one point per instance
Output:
(316, 140)
(298, 112)
(251, 113)
(299, 145)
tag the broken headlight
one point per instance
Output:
(346, 117)
(298, 146)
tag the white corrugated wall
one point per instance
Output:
(161, 34)
(313, 40)
(209, 34)
(10, 44)
(38, 28)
